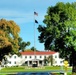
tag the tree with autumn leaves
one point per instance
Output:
(9, 34)
(9, 38)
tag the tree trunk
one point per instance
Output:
(74, 69)
(74, 62)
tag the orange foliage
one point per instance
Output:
(9, 34)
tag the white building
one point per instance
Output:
(12, 60)
(39, 57)
(29, 58)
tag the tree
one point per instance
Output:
(59, 34)
(33, 48)
(22, 44)
(50, 60)
(45, 61)
(9, 34)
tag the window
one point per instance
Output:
(40, 56)
(9, 62)
(14, 56)
(35, 56)
(30, 56)
(61, 61)
(25, 56)
(45, 57)
(55, 62)
(55, 56)
(15, 62)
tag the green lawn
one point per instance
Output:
(29, 69)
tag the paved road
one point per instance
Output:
(42, 73)
(34, 73)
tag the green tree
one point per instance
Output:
(50, 60)
(22, 44)
(33, 48)
(9, 34)
(59, 32)
(45, 61)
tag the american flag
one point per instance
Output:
(35, 13)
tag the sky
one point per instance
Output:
(22, 13)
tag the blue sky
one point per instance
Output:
(22, 12)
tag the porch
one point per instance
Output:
(34, 62)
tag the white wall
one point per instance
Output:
(14, 60)
(57, 61)
(27, 57)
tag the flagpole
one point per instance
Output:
(35, 14)
(35, 21)
(34, 36)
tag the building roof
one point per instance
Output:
(38, 53)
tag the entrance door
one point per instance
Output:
(35, 64)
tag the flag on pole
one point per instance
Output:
(36, 21)
(35, 13)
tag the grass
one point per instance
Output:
(30, 69)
